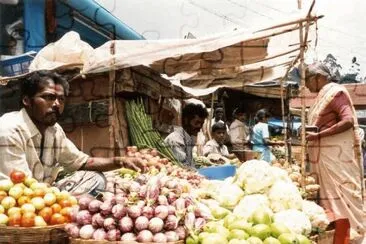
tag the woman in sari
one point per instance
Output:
(335, 150)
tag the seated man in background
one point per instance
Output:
(216, 145)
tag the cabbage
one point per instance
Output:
(250, 203)
(295, 220)
(316, 214)
(284, 195)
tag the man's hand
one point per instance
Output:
(312, 136)
(131, 163)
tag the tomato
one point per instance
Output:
(56, 208)
(22, 200)
(57, 219)
(67, 212)
(46, 214)
(65, 203)
(2, 195)
(39, 192)
(28, 219)
(15, 219)
(17, 176)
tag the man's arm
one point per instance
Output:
(107, 164)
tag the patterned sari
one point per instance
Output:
(337, 162)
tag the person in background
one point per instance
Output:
(181, 140)
(32, 141)
(260, 137)
(216, 145)
(335, 150)
(219, 116)
(239, 131)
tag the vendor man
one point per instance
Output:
(32, 141)
(181, 140)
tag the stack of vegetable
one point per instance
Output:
(260, 204)
(142, 132)
(26, 202)
(145, 209)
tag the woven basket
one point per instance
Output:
(81, 241)
(53, 234)
(326, 237)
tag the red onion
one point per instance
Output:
(171, 236)
(141, 223)
(106, 208)
(153, 190)
(94, 206)
(188, 201)
(140, 204)
(74, 212)
(145, 236)
(109, 223)
(154, 152)
(83, 217)
(171, 210)
(156, 225)
(118, 211)
(161, 211)
(134, 211)
(114, 235)
(160, 238)
(128, 237)
(142, 192)
(148, 212)
(134, 187)
(121, 198)
(100, 235)
(109, 197)
(172, 197)
(189, 221)
(142, 179)
(125, 224)
(171, 222)
(181, 232)
(97, 220)
(163, 200)
(199, 223)
(86, 232)
(171, 184)
(72, 229)
(84, 202)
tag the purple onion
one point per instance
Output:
(97, 220)
(134, 187)
(114, 235)
(142, 192)
(171, 222)
(94, 206)
(86, 232)
(163, 200)
(128, 237)
(199, 223)
(140, 204)
(156, 225)
(84, 202)
(125, 224)
(161, 211)
(160, 238)
(121, 198)
(100, 235)
(106, 208)
(109, 224)
(181, 232)
(84, 217)
(134, 211)
(148, 212)
(141, 223)
(171, 236)
(171, 210)
(118, 211)
(109, 197)
(72, 229)
(172, 197)
(145, 236)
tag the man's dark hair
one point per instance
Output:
(31, 84)
(218, 126)
(191, 110)
(261, 114)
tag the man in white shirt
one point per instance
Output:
(181, 140)
(239, 131)
(32, 141)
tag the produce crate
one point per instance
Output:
(17, 65)
(53, 234)
(218, 172)
(81, 241)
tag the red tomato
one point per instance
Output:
(56, 208)
(57, 219)
(17, 176)
(66, 212)
(15, 219)
(64, 203)
(46, 214)
(28, 219)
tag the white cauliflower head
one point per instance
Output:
(284, 195)
(316, 214)
(250, 203)
(297, 221)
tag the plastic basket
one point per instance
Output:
(218, 172)
(17, 65)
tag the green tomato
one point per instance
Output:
(271, 240)
(230, 218)
(261, 231)
(237, 241)
(254, 240)
(261, 216)
(219, 212)
(240, 225)
(288, 238)
(278, 228)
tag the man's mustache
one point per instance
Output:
(56, 112)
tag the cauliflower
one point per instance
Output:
(297, 221)
(228, 195)
(249, 204)
(280, 174)
(316, 214)
(284, 195)
(255, 176)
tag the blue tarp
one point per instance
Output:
(279, 123)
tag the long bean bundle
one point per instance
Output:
(142, 133)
